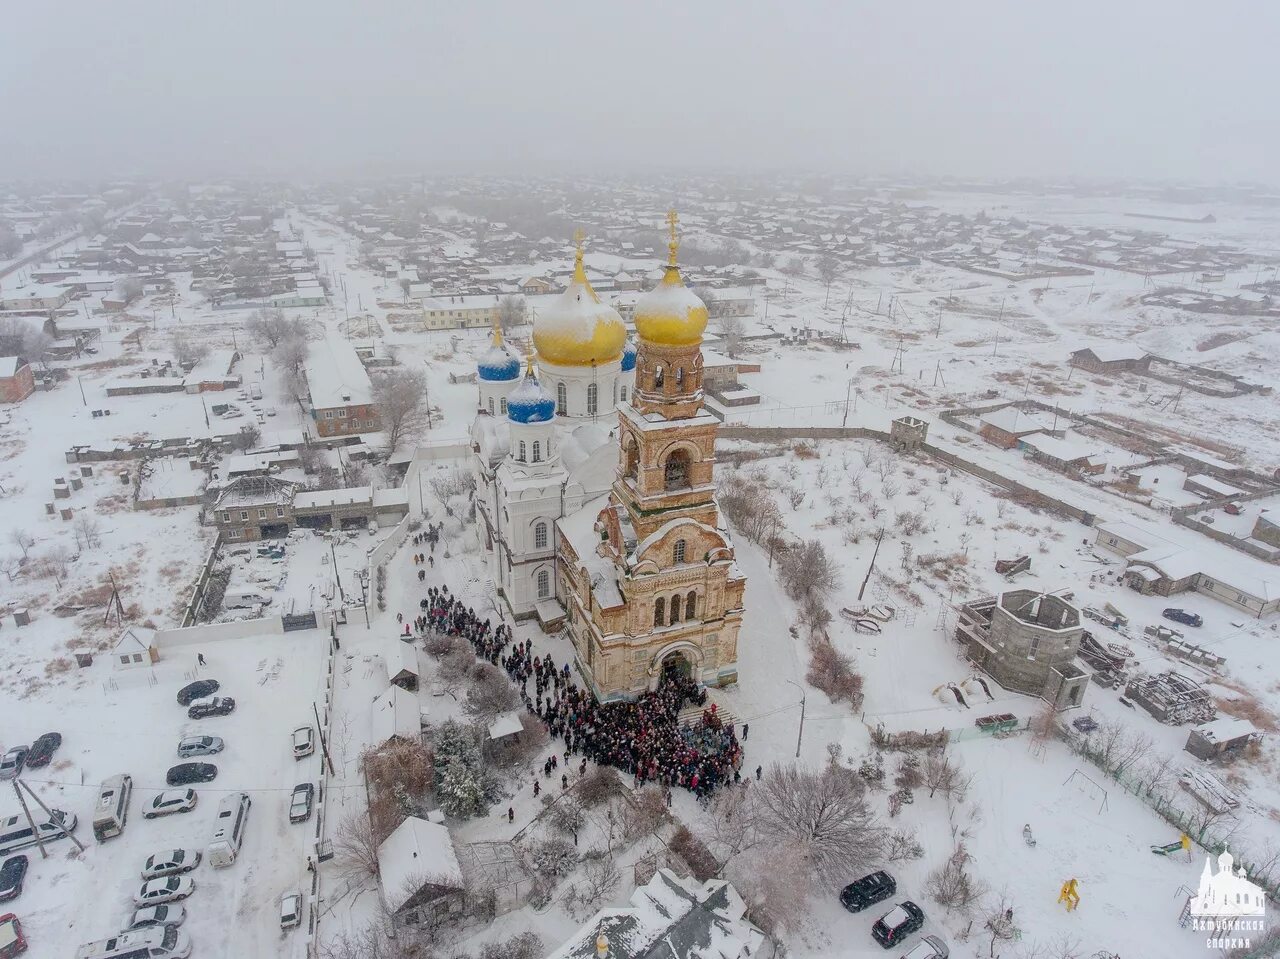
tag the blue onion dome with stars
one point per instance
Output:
(529, 402)
(628, 357)
(498, 364)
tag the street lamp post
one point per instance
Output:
(800, 734)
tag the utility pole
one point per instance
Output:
(848, 390)
(206, 410)
(800, 734)
(44, 853)
(49, 812)
(876, 552)
(324, 743)
(81, 384)
(337, 577)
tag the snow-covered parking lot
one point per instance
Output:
(129, 721)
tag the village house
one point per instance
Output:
(1063, 455)
(253, 507)
(1005, 427)
(17, 382)
(419, 873)
(730, 301)
(212, 372)
(463, 311)
(339, 391)
(669, 918)
(1111, 359)
(1220, 738)
(34, 296)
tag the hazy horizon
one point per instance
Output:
(1146, 91)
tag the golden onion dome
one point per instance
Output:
(671, 314)
(577, 329)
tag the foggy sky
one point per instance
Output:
(1140, 88)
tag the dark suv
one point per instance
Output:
(197, 690)
(214, 706)
(1183, 617)
(184, 774)
(868, 891)
(898, 923)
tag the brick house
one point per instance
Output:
(339, 391)
(16, 379)
(1111, 359)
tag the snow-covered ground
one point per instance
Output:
(127, 721)
(952, 337)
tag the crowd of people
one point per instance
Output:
(643, 737)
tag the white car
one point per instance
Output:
(11, 763)
(167, 889)
(290, 909)
(171, 801)
(304, 742)
(170, 863)
(174, 914)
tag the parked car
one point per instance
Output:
(290, 909)
(171, 862)
(171, 801)
(12, 762)
(1232, 509)
(42, 750)
(301, 802)
(197, 690)
(168, 889)
(867, 891)
(173, 914)
(304, 742)
(185, 773)
(12, 872)
(1183, 617)
(12, 942)
(1085, 724)
(213, 706)
(200, 746)
(898, 923)
(930, 947)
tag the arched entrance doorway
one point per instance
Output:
(676, 665)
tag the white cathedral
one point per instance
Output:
(544, 445)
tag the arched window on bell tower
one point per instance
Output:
(658, 606)
(690, 605)
(593, 394)
(679, 378)
(657, 377)
(675, 609)
(562, 399)
(675, 472)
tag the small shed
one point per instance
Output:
(135, 647)
(402, 665)
(419, 872)
(1221, 737)
(395, 713)
(506, 726)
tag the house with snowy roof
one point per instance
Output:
(419, 873)
(669, 917)
(1111, 358)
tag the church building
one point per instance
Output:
(595, 499)
(647, 572)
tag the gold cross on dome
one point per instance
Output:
(673, 243)
(578, 237)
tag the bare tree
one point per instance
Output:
(999, 923)
(19, 337)
(732, 331)
(943, 775)
(777, 885)
(828, 270)
(568, 816)
(808, 570)
(510, 312)
(599, 880)
(489, 692)
(87, 530)
(290, 358)
(400, 396)
(187, 350)
(822, 811)
(953, 885)
(272, 328)
(23, 540)
(355, 846)
(902, 845)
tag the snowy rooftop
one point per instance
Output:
(670, 918)
(416, 852)
(336, 377)
(1225, 729)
